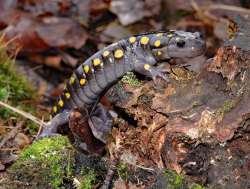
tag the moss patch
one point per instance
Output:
(175, 180)
(169, 179)
(123, 171)
(45, 164)
(196, 186)
(88, 179)
(131, 79)
(14, 88)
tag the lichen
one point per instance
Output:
(131, 79)
(226, 107)
(46, 163)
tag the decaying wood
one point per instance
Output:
(81, 136)
(192, 124)
(184, 124)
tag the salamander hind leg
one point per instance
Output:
(100, 122)
(52, 127)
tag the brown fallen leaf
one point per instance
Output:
(11, 134)
(46, 7)
(52, 61)
(128, 12)
(21, 140)
(2, 167)
(61, 32)
(36, 35)
(21, 28)
(121, 184)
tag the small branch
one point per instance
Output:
(142, 167)
(9, 149)
(229, 8)
(204, 12)
(22, 113)
(198, 8)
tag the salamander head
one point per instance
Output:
(183, 45)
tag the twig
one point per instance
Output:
(22, 113)
(229, 8)
(9, 149)
(198, 8)
(110, 174)
(205, 11)
(141, 167)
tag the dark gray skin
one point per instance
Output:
(139, 54)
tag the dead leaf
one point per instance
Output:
(128, 12)
(61, 32)
(121, 184)
(21, 140)
(36, 35)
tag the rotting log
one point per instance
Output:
(184, 124)
(197, 124)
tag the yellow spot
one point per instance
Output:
(65, 86)
(177, 39)
(105, 53)
(72, 79)
(159, 34)
(86, 68)
(170, 35)
(157, 43)
(82, 81)
(118, 53)
(147, 66)
(60, 103)
(67, 95)
(132, 40)
(54, 109)
(96, 62)
(144, 40)
(159, 53)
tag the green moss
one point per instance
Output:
(169, 179)
(45, 164)
(13, 85)
(88, 180)
(131, 79)
(123, 171)
(14, 89)
(196, 186)
(175, 181)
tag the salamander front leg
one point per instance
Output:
(153, 72)
(100, 122)
(54, 124)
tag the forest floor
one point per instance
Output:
(191, 132)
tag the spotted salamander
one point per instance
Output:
(138, 53)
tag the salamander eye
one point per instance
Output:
(180, 43)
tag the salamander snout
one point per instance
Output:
(186, 45)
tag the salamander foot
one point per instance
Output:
(52, 127)
(100, 122)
